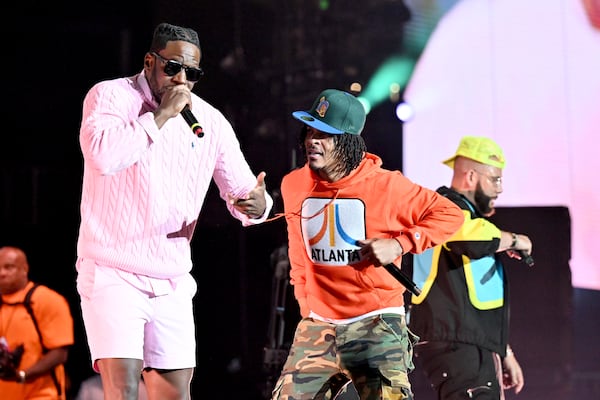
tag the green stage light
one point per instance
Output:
(366, 104)
(389, 79)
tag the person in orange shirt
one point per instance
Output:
(31, 364)
(346, 218)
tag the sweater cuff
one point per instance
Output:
(404, 243)
(262, 218)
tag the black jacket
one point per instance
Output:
(464, 287)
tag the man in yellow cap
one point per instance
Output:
(462, 313)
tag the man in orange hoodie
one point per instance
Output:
(346, 218)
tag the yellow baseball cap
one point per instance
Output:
(480, 149)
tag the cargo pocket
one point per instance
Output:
(397, 323)
(436, 371)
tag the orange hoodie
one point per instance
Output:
(325, 219)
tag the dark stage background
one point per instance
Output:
(263, 59)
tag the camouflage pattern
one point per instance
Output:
(375, 353)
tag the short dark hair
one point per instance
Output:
(165, 32)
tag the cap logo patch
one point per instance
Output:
(322, 107)
(307, 118)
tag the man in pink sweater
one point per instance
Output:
(347, 217)
(147, 170)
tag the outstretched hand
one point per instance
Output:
(255, 202)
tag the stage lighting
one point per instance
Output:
(404, 111)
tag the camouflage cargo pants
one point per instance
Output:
(372, 357)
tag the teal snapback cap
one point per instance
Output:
(335, 112)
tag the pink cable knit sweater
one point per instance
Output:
(143, 188)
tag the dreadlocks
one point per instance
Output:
(349, 150)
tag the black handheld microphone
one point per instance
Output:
(526, 258)
(186, 113)
(403, 279)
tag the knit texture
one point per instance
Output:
(143, 188)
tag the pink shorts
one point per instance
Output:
(132, 316)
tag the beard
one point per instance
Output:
(483, 202)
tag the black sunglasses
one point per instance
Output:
(173, 67)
